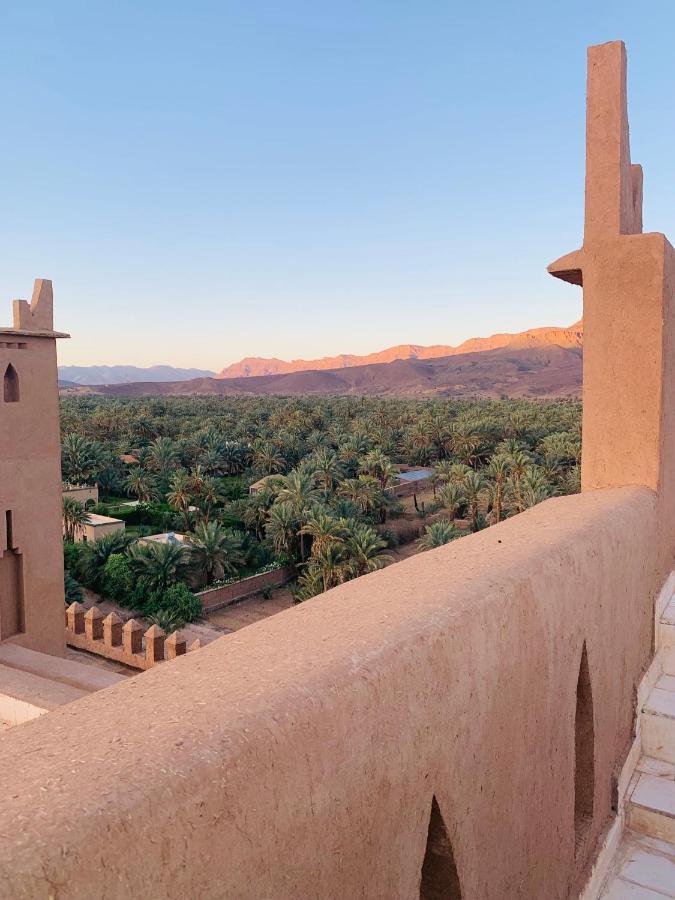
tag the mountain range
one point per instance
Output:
(541, 362)
(252, 366)
(126, 374)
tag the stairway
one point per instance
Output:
(643, 867)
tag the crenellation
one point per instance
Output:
(93, 624)
(112, 630)
(154, 645)
(128, 644)
(132, 637)
(75, 615)
(175, 645)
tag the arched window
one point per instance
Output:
(584, 753)
(440, 880)
(11, 385)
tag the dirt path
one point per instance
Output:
(250, 610)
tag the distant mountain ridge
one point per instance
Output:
(252, 366)
(540, 362)
(534, 372)
(127, 374)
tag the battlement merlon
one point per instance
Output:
(36, 318)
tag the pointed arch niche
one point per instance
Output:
(11, 385)
(584, 753)
(440, 880)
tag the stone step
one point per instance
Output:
(651, 807)
(24, 696)
(644, 870)
(657, 720)
(666, 639)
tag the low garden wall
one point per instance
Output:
(217, 597)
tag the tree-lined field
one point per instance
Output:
(328, 507)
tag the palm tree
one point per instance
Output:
(162, 456)
(437, 534)
(328, 468)
(418, 443)
(444, 470)
(81, 459)
(255, 512)
(179, 496)
(217, 551)
(142, 485)
(210, 496)
(571, 481)
(324, 530)
(519, 461)
(75, 517)
(97, 553)
(364, 549)
(351, 450)
(535, 488)
(378, 466)
(282, 528)
(198, 476)
(268, 460)
(299, 489)
(364, 491)
(465, 442)
(310, 583)
(235, 457)
(451, 498)
(498, 470)
(329, 561)
(160, 565)
(473, 486)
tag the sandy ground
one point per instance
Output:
(253, 609)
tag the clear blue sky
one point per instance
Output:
(208, 180)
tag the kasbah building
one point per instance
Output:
(492, 719)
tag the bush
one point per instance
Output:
(72, 556)
(72, 590)
(390, 537)
(118, 580)
(167, 620)
(177, 600)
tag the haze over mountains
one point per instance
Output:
(541, 362)
(127, 374)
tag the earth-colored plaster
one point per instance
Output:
(298, 757)
(30, 475)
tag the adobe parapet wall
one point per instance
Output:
(298, 757)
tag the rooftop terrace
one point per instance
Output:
(465, 723)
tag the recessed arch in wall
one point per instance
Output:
(440, 880)
(584, 752)
(11, 385)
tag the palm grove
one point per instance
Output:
(325, 505)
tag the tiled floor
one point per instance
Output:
(645, 870)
